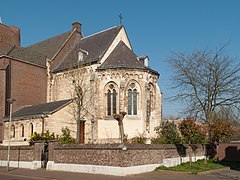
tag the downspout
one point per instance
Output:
(43, 123)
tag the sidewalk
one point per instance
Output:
(52, 175)
(42, 174)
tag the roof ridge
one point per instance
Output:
(101, 32)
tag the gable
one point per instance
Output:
(121, 57)
(122, 36)
(95, 47)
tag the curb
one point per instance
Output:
(215, 170)
(200, 173)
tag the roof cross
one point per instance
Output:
(120, 18)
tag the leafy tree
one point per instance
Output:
(236, 131)
(221, 131)
(167, 134)
(207, 81)
(191, 132)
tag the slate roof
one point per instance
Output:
(49, 47)
(37, 53)
(95, 45)
(37, 111)
(123, 57)
(28, 55)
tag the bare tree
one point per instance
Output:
(207, 81)
(83, 95)
(119, 117)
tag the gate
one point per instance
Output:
(44, 156)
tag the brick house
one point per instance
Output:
(114, 78)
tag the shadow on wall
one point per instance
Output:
(210, 152)
(232, 154)
(181, 149)
(232, 158)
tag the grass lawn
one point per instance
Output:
(196, 167)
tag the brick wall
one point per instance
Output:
(28, 84)
(229, 152)
(10, 36)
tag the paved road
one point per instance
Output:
(42, 174)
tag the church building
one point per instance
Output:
(77, 82)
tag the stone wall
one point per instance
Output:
(119, 155)
(111, 159)
(22, 153)
(22, 156)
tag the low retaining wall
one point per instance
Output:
(22, 156)
(111, 159)
(119, 159)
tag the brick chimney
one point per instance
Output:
(78, 26)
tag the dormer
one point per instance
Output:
(82, 54)
(144, 60)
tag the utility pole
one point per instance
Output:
(10, 101)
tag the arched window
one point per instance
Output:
(31, 129)
(129, 102)
(132, 99)
(114, 101)
(111, 100)
(109, 103)
(12, 131)
(134, 102)
(22, 130)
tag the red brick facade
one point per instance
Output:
(9, 36)
(28, 84)
(23, 81)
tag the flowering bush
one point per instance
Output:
(220, 131)
(191, 131)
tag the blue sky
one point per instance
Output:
(155, 27)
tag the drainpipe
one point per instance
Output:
(42, 117)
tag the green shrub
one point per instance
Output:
(166, 134)
(43, 137)
(140, 139)
(66, 137)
